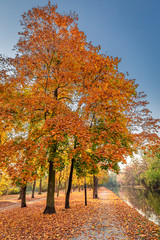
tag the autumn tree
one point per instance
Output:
(60, 88)
(117, 115)
(42, 81)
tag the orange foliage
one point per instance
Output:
(60, 85)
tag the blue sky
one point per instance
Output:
(126, 29)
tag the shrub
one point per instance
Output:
(13, 190)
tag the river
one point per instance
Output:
(147, 203)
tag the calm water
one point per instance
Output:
(145, 202)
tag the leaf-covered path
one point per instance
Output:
(105, 224)
(105, 218)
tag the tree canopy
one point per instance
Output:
(59, 88)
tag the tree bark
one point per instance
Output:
(95, 187)
(40, 187)
(50, 207)
(59, 183)
(20, 195)
(69, 185)
(65, 187)
(23, 199)
(85, 192)
(33, 189)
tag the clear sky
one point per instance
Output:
(128, 29)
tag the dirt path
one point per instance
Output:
(11, 201)
(107, 226)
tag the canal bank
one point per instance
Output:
(146, 202)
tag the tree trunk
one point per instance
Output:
(59, 183)
(58, 190)
(33, 189)
(95, 187)
(69, 185)
(65, 187)
(85, 192)
(50, 208)
(40, 187)
(23, 199)
(20, 195)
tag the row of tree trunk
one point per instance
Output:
(50, 207)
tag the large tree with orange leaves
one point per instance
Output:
(41, 81)
(60, 87)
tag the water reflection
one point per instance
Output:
(146, 202)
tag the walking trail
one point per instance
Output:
(11, 201)
(107, 227)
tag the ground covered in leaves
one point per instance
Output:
(105, 218)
